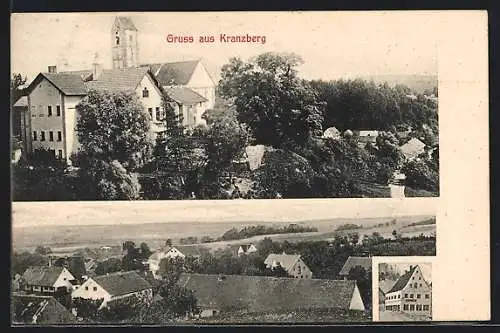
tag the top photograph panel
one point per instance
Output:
(143, 106)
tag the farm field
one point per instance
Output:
(66, 239)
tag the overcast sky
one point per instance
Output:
(332, 44)
(426, 269)
(124, 212)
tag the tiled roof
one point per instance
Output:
(257, 294)
(118, 80)
(32, 309)
(125, 23)
(402, 281)
(122, 283)
(68, 83)
(286, 260)
(42, 275)
(175, 73)
(23, 101)
(184, 96)
(351, 262)
(412, 148)
(189, 250)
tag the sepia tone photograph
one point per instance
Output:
(108, 106)
(405, 292)
(194, 262)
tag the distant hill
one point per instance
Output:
(418, 83)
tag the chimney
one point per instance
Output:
(96, 71)
(53, 69)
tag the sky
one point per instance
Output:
(25, 214)
(332, 44)
(424, 267)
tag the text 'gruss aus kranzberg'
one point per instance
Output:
(221, 38)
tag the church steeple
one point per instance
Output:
(124, 43)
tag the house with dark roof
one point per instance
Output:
(292, 263)
(411, 293)
(263, 294)
(413, 148)
(47, 279)
(115, 286)
(351, 262)
(39, 310)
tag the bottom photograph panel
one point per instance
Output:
(192, 263)
(404, 290)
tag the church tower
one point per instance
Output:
(124, 43)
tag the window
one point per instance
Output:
(420, 285)
(426, 307)
(399, 296)
(95, 288)
(418, 295)
(150, 110)
(426, 296)
(58, 110)
(49, 110)
(420, 278)
(117, 39)
(64, 279)
(158, 114)
(416, 285)
(406, 295)
(412, 307)
(405, 307)
(59, 135)
(145, 92)
(51, 136)
(59, 154)
(34, 136)
(42, 136)
(411, 295)
(86, 288)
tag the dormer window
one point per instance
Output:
(145, 92)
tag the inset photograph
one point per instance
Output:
(405, 291)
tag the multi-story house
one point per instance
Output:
(292, 263)
(52, 97)
(411, 293)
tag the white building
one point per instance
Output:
(114, 286)
(292, 263)
(52, 97)
(172, 252)
(246, 249)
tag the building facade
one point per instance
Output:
(411, 293)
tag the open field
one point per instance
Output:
(66, 239)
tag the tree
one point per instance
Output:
(168, 242)
(420, 175)
(170, 270)
(106, 180)
(43, 250)
(110, 265)
(144, 250)
(178, 300)
(16, 82)
(21, 261)
(114, 127)
(271, 99)
(176, 162)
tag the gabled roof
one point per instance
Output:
(175, 73)
(118, 80)
(68, 83)
(32, 309)
(402, 281)
(21, 102)
(351, 262)
(42, 275)
(187, 250)
(245, 247)
(184, 96)
(257, 294)
(122, 283)
(125, 23)
(412, 148)
(286, 260)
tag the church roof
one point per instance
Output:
(125, 23)
(174, 73)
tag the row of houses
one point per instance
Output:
(215, 293)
